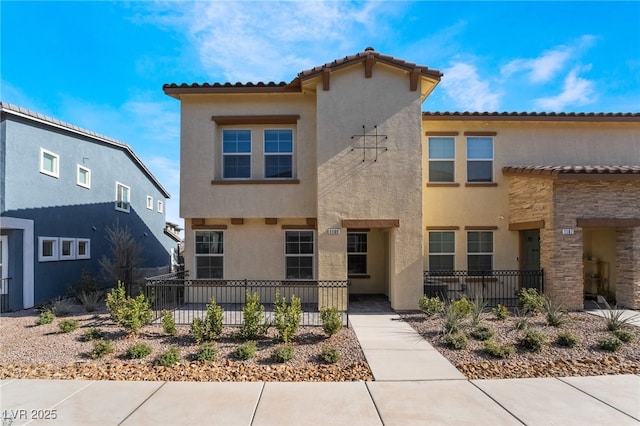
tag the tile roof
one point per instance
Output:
(568, 172)
(532, 116)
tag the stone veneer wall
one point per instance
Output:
(628, 267)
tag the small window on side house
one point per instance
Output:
(160, 206)
(49, 163)
(83, 248)
(149, 202)
(47, 249)
(123, 197)
(84, 177)
(67, 248)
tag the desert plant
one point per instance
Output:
(245, 351)
(287, 317)
(330, 355)
(126, 255)
(523, 319)
(497, 350)
(282, 353)
(556, 314)
(138, 351)
(67, 326)
(331, 320)
(452, 319)
(207, 352)
(90, 300)
(567, 338)
(101, 348)
(130, 313)
(168, 358)
(615, 318)
(482, 332)
(624, 334)
(86, 284)
(477, 309)
(253, 314)
(169, 323)
(501, 312)
(431, 306)
(62, 306)
(462, 306)
(211, 327)
(456, 340)
(92, 334)
(530, 301)
(534, 340)
(610, 343)
(46, 317)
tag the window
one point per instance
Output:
(278, 153)
(123, 197)
(299, 255)
(47, 249)
(67, 248)
(84, 177)
(210, 254)
(160, 206)
(236, 154)
(149, 202)
(49, 163)
(442, 249)
(441, 159)
(356, 253)
(479, 159)
(480, 251)
(83, 248)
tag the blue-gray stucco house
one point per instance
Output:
(61, 188)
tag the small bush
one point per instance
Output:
(90, 301)
(207, 352)
(287, 317)
(624, 334)
(86, 284)
(462, 306)
(610, 343)
(130, 313)
(522, 319)
(615, 319)
(211, 327)
(452, 319)
(331, 320)
(477, 308)
(46, 317)
(534, 340)
(330, 355)
(168, 358)
(456, 341)
(556, 314)
(169, 323)
(138, 351)
(497, 350)
(530, 301)
(101, 348)
(501, 312)
(92, 334)
(482, 332)
(67, 326)
(253, 314)
(246, 351)
(62, 307)
(567, 338)
(282, 353)
(431, 306)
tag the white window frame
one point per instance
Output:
(451, 254)
(160, 206)
(312, 255)
(451, 160)
(54, 248)
(359, 253)
(481, 253)
(72, 245)
(197, 255)
(237, 154)
(119, 202)
(149, 202)
(267, 154)
(87, 254)
(482, 159)
(88, 174)
(56, 163)
(4, 245)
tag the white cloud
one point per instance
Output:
(575, 91)
(468, 90)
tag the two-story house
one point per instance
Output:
(338, 174)
(62, 188)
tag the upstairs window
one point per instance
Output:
(299, 255)
(236, 154)
(160, 206)
(480, 250)
(49, 163)
(356, 253)
(441, 159)
(47, 249)
(210, 254)
(278, 153)
(84, 177)
(479, 159)
(149, 202)
(442, 249)
(123, 197)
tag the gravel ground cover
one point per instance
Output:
(584, 359)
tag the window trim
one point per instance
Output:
(149, 202)
(482, 253)
(87, 254)
(56, 163)
(160, 206)
(54, 246)
(312, 255)
(359, 253)
(451, 254)
(247, 154)
(72, 245)
(80, 183)
(128, 207)
(196, 255)
(486, 159)
(265, 154)
(441, 160)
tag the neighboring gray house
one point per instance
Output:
(61, 187)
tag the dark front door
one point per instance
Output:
(530, 256)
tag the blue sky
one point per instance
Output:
(101, 65)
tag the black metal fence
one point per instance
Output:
(187, 298)
(494, 287)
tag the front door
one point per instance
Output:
(530, 256)
(4, 273)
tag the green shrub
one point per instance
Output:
(62, 307)
(46, 317)
(624, 334)
(207, 352)
(452, 319)
(501, 312)
(92, 334)
(522, 319)
(455, 340)
(130, 313)
(86, 284)
(534, 340)
(530, 301)
(615, 318)
(610, 343)
(331, 320)
(462, 306)
(497, 350)
(169, 323)
(287, 317)
(282, 353)
(482, 332)
(208, 329)
(556, 314)
(478, 307)
(138, 351)
(101, 348)
(67, 326)
(330, 355)
(567, 338)
(168, 358)
(90, 301)
(430, 305)
(253, 314)
(246, 351)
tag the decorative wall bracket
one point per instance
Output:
(374, 143)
